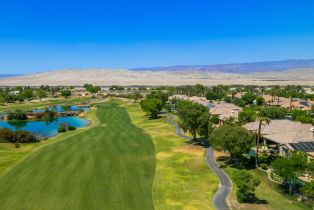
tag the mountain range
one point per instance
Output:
(259, 73)
(9, 75)
(242, 68)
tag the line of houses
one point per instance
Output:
(280, 136)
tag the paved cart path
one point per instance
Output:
(225, 185)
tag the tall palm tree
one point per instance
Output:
(262, 120)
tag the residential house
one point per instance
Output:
(200, 100)
(225, 111)
(286, 135)
(298, 104)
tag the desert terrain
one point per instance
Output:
(108, 77)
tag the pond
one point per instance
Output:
(59, 108)
(44, 129)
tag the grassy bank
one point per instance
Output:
(268, 193)
(182, 179)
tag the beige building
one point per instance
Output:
(200, 100)
(226, 110)
(299, 105)
(287, 135)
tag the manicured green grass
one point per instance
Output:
(109, 166)
(267, 192)
(42, 104)
(182, 178)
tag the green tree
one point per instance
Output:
(248, 98)
(152, 106)
(234, 139)
(259, 100)
(210, 95)
(189, 114)
(137, 96)
(116, 87)
(92, 89)
(159, 95)
(289, 168)
(205, 127)
(247, 115)
(41, 93)
(2, 99)
(28, 93)
(66, 93)
(246, 184)
(170, 90)
(274, 112)
(214, 119)
(199, 89)
(239, 102)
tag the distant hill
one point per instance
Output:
(9, 75)
(258, 73)
(107, 77)
(243, 68)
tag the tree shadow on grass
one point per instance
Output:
(154, 118)
(255, 200)
(198, 142)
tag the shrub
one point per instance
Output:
(239, 102)
(6, 135)
(71, 128)
(264, 166)
(64, 127)
(308, 190)
(264, 158)
(259, 100)
(23, 136)
(228, 99)
(61, 129)
(246, 184)
(19, 136)
(17, 115)
(214, 119)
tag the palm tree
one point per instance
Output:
(262, 120)
(233, 93)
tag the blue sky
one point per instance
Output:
(49, 35)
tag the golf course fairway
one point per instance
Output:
(109, 166)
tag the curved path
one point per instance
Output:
(225, 184)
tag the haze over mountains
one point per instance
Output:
(259, 73)
(240, 67)
(9, 75)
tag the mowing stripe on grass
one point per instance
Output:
(110, 166)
